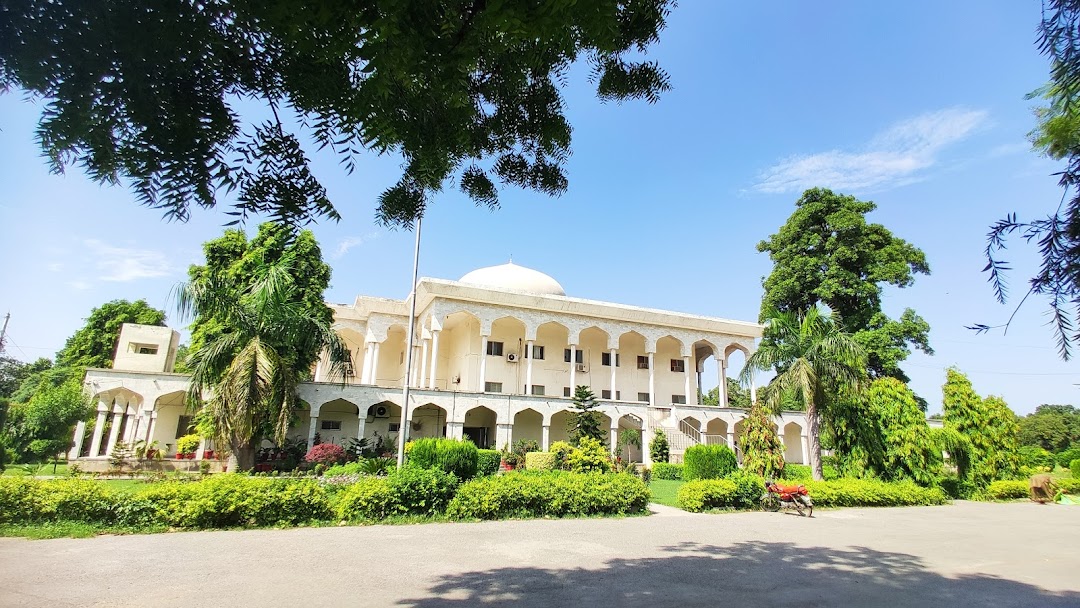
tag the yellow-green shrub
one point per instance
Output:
(408, 491)
(539, 461)
(664, 470)
(873, 493)
(704, 494)
(549, 494)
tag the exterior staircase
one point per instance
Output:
(683, 436)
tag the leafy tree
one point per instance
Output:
(659, 450)
(989, 425)
(43, 427)
(737, 396)
(148, 93)
(813, 359)
(94, 345)
(585, 422)
(13, 372)
(909, 449)
(762, 449)
(234, 262)
(1051, 427)
(827, 253)
(249, 373)
(181, 364)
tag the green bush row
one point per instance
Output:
(1074, 466)
(549, 494)
(797, 472)
(708, 462)
(664, 470)
(739, 491)
(742, 491)
(1011, 489)
(540, 461)
(410, 491)
(457, 457)
(487, 462)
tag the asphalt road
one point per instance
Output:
(966, 554)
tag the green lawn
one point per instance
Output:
(18, 470)
(664, 490)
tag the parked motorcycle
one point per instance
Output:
(779, 496)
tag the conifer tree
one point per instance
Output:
(762, 449)
(586, 421)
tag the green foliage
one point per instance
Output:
(14, 372)
(659, 450)
(957, 487)
(1051, 427)
(908, 446)
(455, 456)
(762, 449)
(409, 491)
(43, 427)
(1068, 486)
(737, 395)
(539, 461)
(487, 462)
(585, 421)
(1065, 457)
(549, 494)
(95, 343)
(827, 253)
(814, 361)
(1007, 489)
(1074, 468)
(797, 472)
(988, 424)
(708, 462)
(705, 494)
(748, 488)
(627, 438)
(665, 470)
(1037, 458)
(873, 493)
(464, 92)
(589, 456)
(187, 444)
(561, 450)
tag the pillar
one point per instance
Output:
(150, 428)
(503, 435)
(435, 358)
(753, 392)
(652, 380)
(646, 457)
(613, 437)
(423, 364)
(721, 375)
(318, 369)
(365, 375)
(374, 365)
(361, 424)
(804, 443)
(313, 423)
(614, 360)
(77, 440)
(686, 378)
(132, 424)
(201, 450)
(545, 439)
(731, 437)
(528, 366)
(483, 364)
(455, 430)
(573, 369)
(414, 379)
(99, 428)
(114, 432)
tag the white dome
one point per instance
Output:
(517, 278)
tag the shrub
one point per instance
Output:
(1065, 457)
(349, 468)
(658, 447)
(231, 500)
(561, 450)
(873, 493)
(540, 461)
(748, 489)
(187, 444)
(704, 494)
(369, 498)
(797, 472)
(458, 457)
(1068, 486)
(1074, 466)
(589, 456)
(549, 494)
(1037, 458)
(708, 462)
(326, 454)
(27, 500)
(664, 470)
(1007, 490)
(409, 491)
(954, 487)
(487, 462)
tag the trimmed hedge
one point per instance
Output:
(549, 494)
(1074, 466)
(487, 462)
(664, 470)
(797, 472)
(539, 461)
(409, 491)
(743, 490)
(455, 456)
(708, 462)
(740, 491)
(1007, 489)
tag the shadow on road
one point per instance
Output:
(745, 574)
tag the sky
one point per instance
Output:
(917, 106)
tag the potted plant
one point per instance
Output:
(186, 446)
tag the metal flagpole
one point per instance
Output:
(403, 427)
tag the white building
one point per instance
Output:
(496, 356)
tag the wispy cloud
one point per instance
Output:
(351, 242)
(901, 154)
(122, 264)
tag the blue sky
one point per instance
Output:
(917, 106)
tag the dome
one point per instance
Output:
(516, 278)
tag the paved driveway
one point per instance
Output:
(965, 554)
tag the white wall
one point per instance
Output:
(133, 337)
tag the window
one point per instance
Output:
(678, 399)
(642, 362)
(493, 387)
(395, 427)
(142, 349)
(538, 389)
(643, 397)
(579, 356)
(495, 349)
(183, 426)
(537, 353)
(678, 365)
(605, 359)
(330, 425)
(607, 395)
(566, 391)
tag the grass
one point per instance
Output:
(664, 491)
(20, 470)
(71, 529)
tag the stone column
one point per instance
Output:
(731, 437)
(483, 364)
(753, 392)
(423, 364)
(686, 378)
(804, 443)
(503, 435)
(365, 376)
(545, 439)
(150, 428)
(614, 437)
(201, 450)
(455, 430)
(132, 424)
(721, 375)
(117, 420)
(374, 365)
(646, 457)
(313, 424)
(573, 369)
(614, 360)
(77, 440)
(414, 379)
(434, 359)
(652, 380)
(528, 366)
(99, 429)
(361, 424)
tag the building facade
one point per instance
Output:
(496, 355)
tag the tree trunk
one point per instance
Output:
(241, 456)
(812, 438)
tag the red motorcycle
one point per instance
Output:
(779, 496)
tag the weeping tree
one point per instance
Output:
(814, 360)
(245, 380)
(762, 449)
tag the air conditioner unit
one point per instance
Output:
(512, 357)
(380, 411)
(580, 367)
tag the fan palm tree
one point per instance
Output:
(813, 360)
(245, 379)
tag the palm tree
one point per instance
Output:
(248, 373)
(813, 360)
